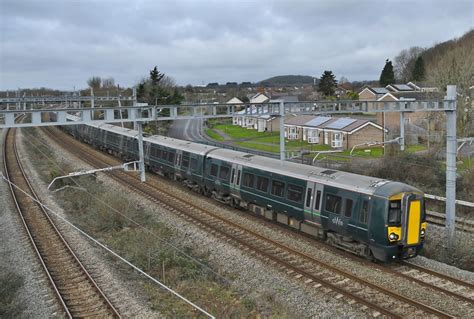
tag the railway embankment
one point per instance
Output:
(289, 239)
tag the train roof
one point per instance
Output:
(187, 146)
(354, 182)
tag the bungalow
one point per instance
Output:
(341, 133)
(372, 94)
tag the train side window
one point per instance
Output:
(395, 212)
(185, 162)
(238, 177)
(194, 163)
(317, 202)
(333, 204)
(224, 173)
(171, 157)
(348, 208)
(262, 184)
(248, 180)
(364, 213)
(232, 176)
(295, 193)
(165, 155)
(278, 188)
(214, 169)
(308, 197)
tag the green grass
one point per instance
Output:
(372, 152)
(214, 135)
(415, 148)
(237, 132)
(261, 147)
(465, 164)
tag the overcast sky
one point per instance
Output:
(61, 43)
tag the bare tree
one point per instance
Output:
(456, 66)
(108, 83)
(94, 82)
(404, 63)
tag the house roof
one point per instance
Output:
(285, 98)
(234, 100)
(375, 90)
(413, 95)
(399, 87)
(343, 124)
(299, 119)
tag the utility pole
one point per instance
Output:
(451, 148)
(402, 131)
(140, 152)
(282, 130)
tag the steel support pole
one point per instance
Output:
(451, 147)
(140, 152)
(92, 98)
(282, 130)
(402, 131)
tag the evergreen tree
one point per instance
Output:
(387, 76)
(418, 73)
(327, 83)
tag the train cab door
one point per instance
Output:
(312, 204)
(235, 180)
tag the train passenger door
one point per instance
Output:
(235, 180)
(177, 160)
(313, 200)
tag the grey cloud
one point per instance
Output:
(61, 43)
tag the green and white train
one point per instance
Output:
(372, 217)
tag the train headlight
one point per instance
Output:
(422, 232)
(393, 236)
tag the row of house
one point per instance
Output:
(337, 132)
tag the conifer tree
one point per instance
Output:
(387, 76)
(418, 73)
(327, 83)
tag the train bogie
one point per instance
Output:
(368, 216)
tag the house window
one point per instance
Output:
(278, 188)
(333, 204)
(262, 184)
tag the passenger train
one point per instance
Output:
(375, 218)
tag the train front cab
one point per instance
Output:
(405, 228)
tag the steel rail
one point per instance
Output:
(65, 303)
(150, 192)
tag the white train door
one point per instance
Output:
(235, 180)
(313, 202)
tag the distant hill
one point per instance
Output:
(288, 80)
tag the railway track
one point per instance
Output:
(76, 291)
(462, 224)
(335, 282)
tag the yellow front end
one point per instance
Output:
(406, 224)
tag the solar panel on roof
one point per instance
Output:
(317, 121)
(341, 123)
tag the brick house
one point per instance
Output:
(340, 133)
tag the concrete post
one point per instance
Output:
(140, 152)
(92, 98)
(282, 130)
(402, 131)
(451, 145)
